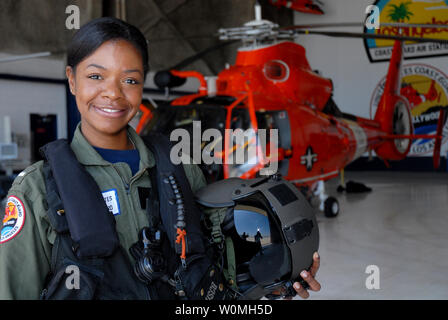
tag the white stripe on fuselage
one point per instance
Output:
(360, 137)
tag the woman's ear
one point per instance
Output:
(71, 78)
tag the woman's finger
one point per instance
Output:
(314, 285)
(316, 264)
(301, 291)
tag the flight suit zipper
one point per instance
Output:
(126, 185)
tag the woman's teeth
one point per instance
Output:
(110, 110)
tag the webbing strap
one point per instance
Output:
(216, 217)
(231, 264)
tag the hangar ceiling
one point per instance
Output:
(29, 26)
(176, 29)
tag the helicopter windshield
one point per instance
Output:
(168, 118)
(211, 113)
(242, 150)
(243, 145)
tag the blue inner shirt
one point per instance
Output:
(131, 157)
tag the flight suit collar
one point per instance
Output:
(87, 155)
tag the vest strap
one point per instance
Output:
(91, 225)
(55, 212)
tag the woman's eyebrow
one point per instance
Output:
(104, 68)
(133, 70)
(96, 66)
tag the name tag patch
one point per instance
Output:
(111, 199)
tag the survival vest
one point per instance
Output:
(88, 261)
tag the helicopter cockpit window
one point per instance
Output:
(168, 118)
(240, 119)
(185, 117)
(276, 70)
(242, 155)
(277, 120)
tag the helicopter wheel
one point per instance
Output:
(331, 207)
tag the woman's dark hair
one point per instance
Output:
(98, 31)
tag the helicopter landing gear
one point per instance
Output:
(331, 207)
(327, 204)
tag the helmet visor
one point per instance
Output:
(259, 230)
(252, 224)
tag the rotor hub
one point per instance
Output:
(256, 32)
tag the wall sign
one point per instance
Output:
(409, 11)
(426, 89)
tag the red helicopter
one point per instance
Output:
(305, 6)
(272, 86)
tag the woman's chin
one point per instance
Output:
(105, 129)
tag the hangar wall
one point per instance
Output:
(19, 99)
(345, 61)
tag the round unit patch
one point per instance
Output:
(13, 220)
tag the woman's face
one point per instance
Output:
(108, 87)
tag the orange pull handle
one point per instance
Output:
(181, 237)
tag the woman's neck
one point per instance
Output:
(118, 141)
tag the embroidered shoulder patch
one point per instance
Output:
(13, 220)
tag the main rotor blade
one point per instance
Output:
(362, 24)
(369, 36)
(199, 36)
(323, 25)
(200, 54)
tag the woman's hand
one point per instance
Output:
(308, 276)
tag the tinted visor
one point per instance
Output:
(258, 238)
(252, 224)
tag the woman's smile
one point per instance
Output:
(110, 111)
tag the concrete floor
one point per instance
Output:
(401, 227)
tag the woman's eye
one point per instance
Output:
(131, 81)
(94, 77)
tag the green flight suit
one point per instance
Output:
(25, 257)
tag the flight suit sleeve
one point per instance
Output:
(24, 249)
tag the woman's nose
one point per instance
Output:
(112, 89)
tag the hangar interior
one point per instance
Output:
(399, 227)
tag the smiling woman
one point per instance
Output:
(106, 68)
